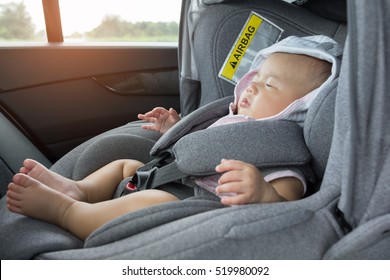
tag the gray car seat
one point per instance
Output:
(311, 228)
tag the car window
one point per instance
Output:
(119, 20)
(93, 21)
(21, 21)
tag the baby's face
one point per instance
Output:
(277, 84)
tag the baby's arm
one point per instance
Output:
(160, 118)
(249, 185)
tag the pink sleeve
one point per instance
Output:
(286, 173)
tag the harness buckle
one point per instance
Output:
(130, 187)
(141, 180)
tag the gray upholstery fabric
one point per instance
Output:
(128, 141)
(366, 191)
(360, 157)
(318, 130)
(24, 238)
(263, 144)
(197, 228)
(370, 241)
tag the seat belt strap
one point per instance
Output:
(166, 174)
(153, 177)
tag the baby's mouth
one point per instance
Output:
(245, 103)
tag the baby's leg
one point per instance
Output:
(96, 187)
(30, 197)
(83, 218)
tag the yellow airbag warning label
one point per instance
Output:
(240, 46)
(256, 34)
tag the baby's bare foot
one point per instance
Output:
(51, 179)
(29, 197)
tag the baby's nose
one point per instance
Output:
(252, 89)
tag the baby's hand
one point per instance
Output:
(160, 118)
(241, 178)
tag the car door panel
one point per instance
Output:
(62, 95)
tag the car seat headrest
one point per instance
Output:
(318, 128)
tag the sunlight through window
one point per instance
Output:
(120, 21)
(21, 21)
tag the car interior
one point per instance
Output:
(74, 109)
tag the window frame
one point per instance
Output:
(51, 11)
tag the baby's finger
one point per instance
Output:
(233, 200)
(156, 112)
(171, 110)
(148, 127)
(228, 165)
(230, 176)
(141, 117)
(232, 187)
